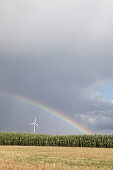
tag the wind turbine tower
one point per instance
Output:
(35, 124)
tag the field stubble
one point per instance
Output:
(55, 158)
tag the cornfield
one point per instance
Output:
(28, 139)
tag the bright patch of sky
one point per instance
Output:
(106, 91)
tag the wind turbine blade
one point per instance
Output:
(31, 123)
(37, 125)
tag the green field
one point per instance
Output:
(54, 158)
(28, 139)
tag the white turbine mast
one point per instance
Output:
(35, 124)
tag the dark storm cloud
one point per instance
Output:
(58, 52)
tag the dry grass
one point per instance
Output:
(55, 158)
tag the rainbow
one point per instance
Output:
(37, 104)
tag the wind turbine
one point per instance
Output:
(35, 124)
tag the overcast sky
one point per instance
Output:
(59, 52)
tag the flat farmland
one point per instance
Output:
(55, 158)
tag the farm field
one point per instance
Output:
(55, 158)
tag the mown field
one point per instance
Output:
(55, 158)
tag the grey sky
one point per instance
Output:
(57, 52)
